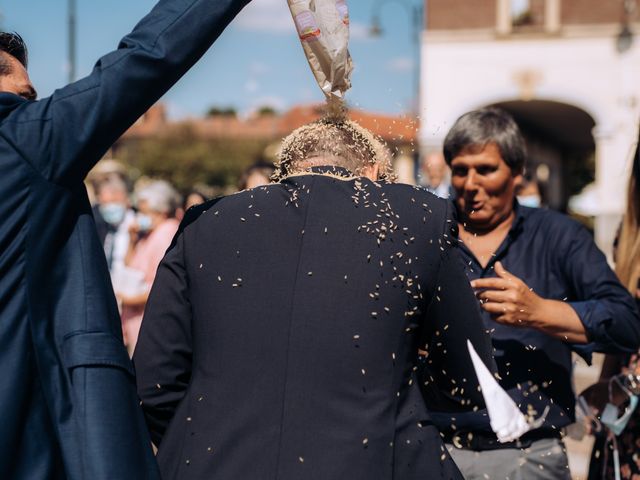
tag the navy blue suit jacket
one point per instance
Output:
(67, 395)
(281, 336)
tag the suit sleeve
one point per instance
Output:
(163, 356)
(449, 382)
(63, 136)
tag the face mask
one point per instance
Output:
(610, 418)
(113, 213)
(144, 222)
(532, 201)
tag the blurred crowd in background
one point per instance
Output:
(136, 223)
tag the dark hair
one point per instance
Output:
(12, 44)
(477, 129)
(262, 167)
(193, 191)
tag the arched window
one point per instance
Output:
(528, 16)
(521, 13)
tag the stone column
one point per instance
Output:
(552, 16)
(503, 17)
(612, 154)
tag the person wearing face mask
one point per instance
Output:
(546, 291)
(150, 235)
(528, 192)
(437, 175)
(113, 218)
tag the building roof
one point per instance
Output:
(393, 129)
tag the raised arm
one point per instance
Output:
(604, 306)
(71, 130)
(600, 314)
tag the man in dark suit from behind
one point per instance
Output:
(282, 332)
(67, 395)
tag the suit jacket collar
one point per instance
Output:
(9, 102)
(332, 170)
(327, 170)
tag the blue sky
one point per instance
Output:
(258, 60)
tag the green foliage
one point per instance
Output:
(523, 18)
(186, 160)
(266, 110)
(222, 112)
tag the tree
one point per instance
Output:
(186, 159)
(222, 112)
(266, 110)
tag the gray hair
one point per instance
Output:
(113, 183)
(475, 130)
(341, 143)
(160, 196)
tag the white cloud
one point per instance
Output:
(308, 94)
(274, 101)
(360, 31)
(176, 110)
(400, 64)
(278, 103)
(258, 68)
(271, 16)
(256, 71)
(251, 86)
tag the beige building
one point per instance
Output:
(568, 70)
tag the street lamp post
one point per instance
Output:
(624, 40)
(72, 40)
(416, 19)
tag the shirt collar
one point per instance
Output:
(514, 232)
(327, 170)
(332, 170)
(521, 214)
(518, 221)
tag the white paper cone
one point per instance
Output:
(507, 421)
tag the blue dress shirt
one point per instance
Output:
(556, 257)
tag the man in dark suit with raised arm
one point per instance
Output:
(67, 395)
(281, 336)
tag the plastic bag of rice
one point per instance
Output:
(323, 27)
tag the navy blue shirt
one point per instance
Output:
(556, 257)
